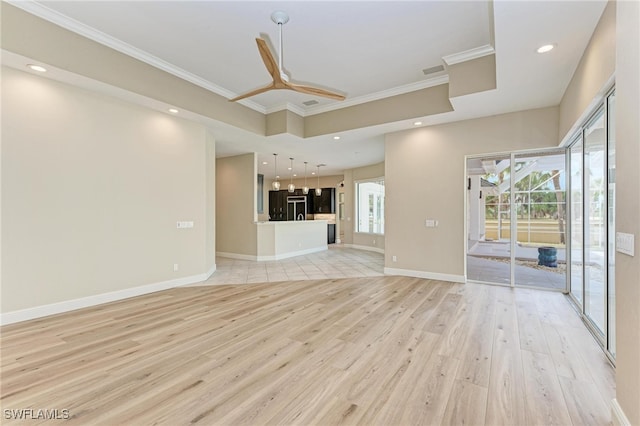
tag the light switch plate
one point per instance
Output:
(625, 243)
(184, 224)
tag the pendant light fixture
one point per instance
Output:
(318, 189)
(292, 187)
(275, 185)
(305, 188)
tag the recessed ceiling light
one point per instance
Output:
(335, 138)
(313, 173)
(546, 48)
(417, 123)
(173, 111)
(295, 175)
(288, 168)
(264, 163)
(37, 68)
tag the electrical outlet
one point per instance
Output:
(175, 267)
(394, 258)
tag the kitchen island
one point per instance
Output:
(284, 239)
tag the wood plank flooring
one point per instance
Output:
(370, 351)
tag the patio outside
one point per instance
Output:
(540, 215)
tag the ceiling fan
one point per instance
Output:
(280, 79)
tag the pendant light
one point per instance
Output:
(318, 189)
(305, 188)
(275, 185)
(292, 187)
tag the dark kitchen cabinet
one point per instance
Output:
(326, 202)
(277, 205)
(331, 233)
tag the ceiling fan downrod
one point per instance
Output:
(280, 18)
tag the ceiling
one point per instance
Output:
(365, 50)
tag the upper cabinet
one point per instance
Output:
(326, 202)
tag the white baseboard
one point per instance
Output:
(236, 256)
(367, 248)
(617, 415)
(292, 254)
(210, 272)
(98, 299)
(425, 274)
(271, 257)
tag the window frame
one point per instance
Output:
(380, 179)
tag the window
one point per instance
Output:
(370, 206)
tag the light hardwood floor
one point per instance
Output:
(378, 350)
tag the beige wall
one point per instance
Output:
(210, 200)
(92, 188)
(347, 226)
(53, 45)
(236, 204)
(628, 207)
(424, 179)
(596, 67)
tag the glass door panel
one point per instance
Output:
(489, 220)
(611, 179)
(539, 194)
(576, 223)
(595, 209)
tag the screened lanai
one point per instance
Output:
(525, 203)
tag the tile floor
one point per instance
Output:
(336, 262)
(488, 270)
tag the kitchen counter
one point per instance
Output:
(282, 239)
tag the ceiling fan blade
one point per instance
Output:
(268, 59)
(253, 92)
(315, 91)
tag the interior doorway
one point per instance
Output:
(516, 219)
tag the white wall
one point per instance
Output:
(92, 188)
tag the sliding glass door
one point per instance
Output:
(595, 212)
(592, 222)
(489, 219)
(516, 219)
(539, 194)
(576, 229)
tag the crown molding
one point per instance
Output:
(71, 24)
(467, 55)
(286, 106)
(400, 90)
